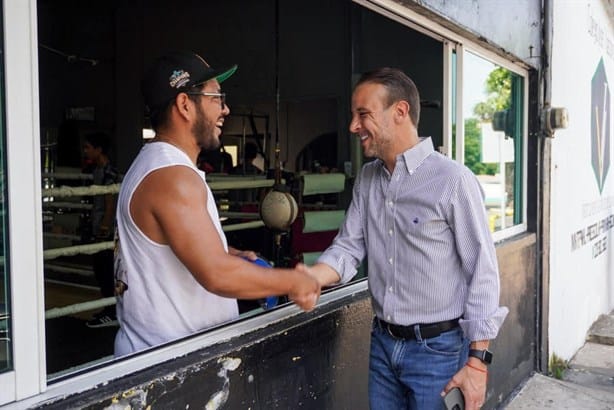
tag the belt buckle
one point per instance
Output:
(390, 331)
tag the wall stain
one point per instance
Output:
(218, 399)
(128, 400)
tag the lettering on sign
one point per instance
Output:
(595, 234)
(600, 35)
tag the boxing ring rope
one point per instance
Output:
(68, 269)
(79, 307)
(73, 205)
(88, 249)
(216, 184)
(92, 190)
(66, 236)
(67, 176)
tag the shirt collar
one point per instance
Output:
(418, 153)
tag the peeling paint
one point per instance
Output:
(130, 400)
(219, 398)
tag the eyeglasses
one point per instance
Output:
(221, 96)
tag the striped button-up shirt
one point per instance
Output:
(425, 234)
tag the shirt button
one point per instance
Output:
(411, 172)
(388, 318)
(390, 203)
(390, 261)
(390, 289)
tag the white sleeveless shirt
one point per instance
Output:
(162, 301)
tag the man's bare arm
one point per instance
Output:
(176, 201)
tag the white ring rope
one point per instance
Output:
(223, 183)
(240, 215)
(92, 248)
(244, 225)
(69, 269)
(239, 183)
(67, 236)
(67, 175)
(87, 249)
(73, 205)
(79, 307)
(82, 190)
(215, 185)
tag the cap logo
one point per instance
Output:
(178, 79)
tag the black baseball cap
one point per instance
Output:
(175, 72)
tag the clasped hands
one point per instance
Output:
(305, 290)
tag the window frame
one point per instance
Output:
(24, 203)
(455, 43)
(460, 49)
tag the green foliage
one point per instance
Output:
(473, 150)
(498, 88)
(557, 367)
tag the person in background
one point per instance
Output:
(247, 167)
(175, 272)
(97, 151)
(420, 220)
(214, 161)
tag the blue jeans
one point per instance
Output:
(411, 374)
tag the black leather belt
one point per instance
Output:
(426, 331)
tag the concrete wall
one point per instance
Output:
(512, 27)
(314, 361)
(582, 254)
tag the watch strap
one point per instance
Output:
(484, 355)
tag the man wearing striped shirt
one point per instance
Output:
(420, 218)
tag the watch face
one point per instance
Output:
(484, 355)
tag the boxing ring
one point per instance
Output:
(216, 183)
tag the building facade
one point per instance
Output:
(489, 73)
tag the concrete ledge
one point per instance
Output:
(590, 379)
(602, 331)
(542, 392)
(594, 358)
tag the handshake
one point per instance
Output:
(310, 281)
(302, 284)
(306, 290)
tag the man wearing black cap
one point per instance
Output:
(174, 271)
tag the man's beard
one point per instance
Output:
(204, 131)
(378, 147)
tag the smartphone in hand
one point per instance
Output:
(454, 400)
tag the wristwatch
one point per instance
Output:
(484, 355)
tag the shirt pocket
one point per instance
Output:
(427, 227)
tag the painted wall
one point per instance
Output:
(314, 361)
(513, 26)
(582, 206)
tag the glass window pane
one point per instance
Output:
(492, 107)
(5, 305)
